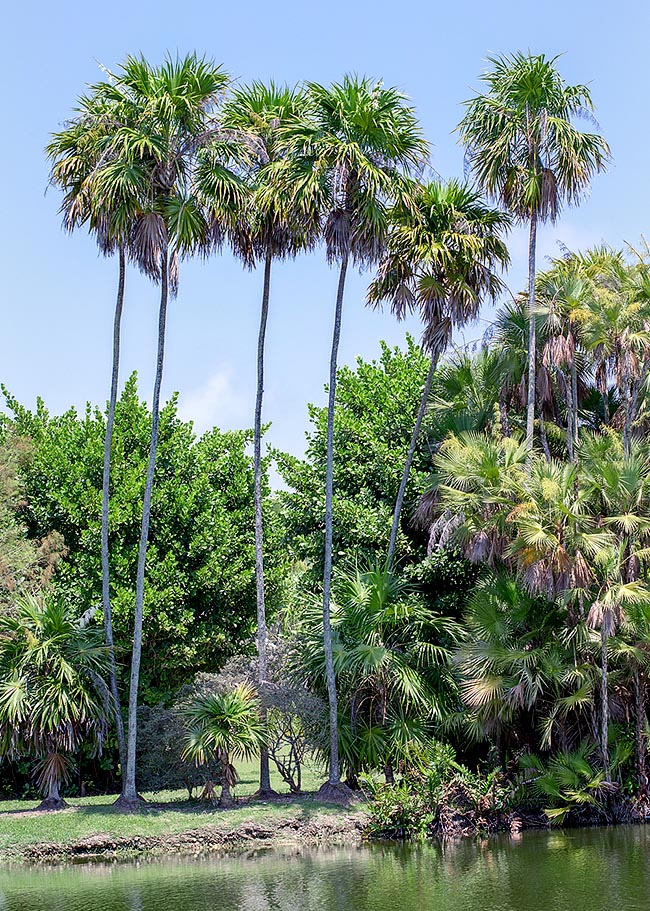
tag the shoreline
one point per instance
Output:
(324, 826)
(303, 823)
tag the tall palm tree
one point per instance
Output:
(78, 153)
(351, 156)
(52, 694)
(167, 122)
(525, 151)
(442, 257)
(268, 227)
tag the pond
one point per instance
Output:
(582, 870)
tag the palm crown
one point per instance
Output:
(522, 144)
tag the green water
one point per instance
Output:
(597, 870)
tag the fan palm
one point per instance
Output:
(167, 122)
(52, 694)
(224, 726)
(525, 151)
(350, 157)
(519, 675)
(620, 490)
(442, 257)
(615, 325)
(391, 659)
(268, 227)
(467, 393)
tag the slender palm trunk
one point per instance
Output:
(503, 413)
(106, 484)
(129, 790)
(544, 439)
(532, 332)
(569, 422)
(639, 735)
(334, 771)
(574, 399)
(604, 704)
(265, 789)
(409, 458)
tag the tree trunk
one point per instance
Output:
(543, 437)
(503, 412)
(129, 791)
(106, 484)
(569, 420)
(532, 333)
(53, 801)
(604, 705)
(574, 399)
(334, 769)
(409, 458)
(265, 789)
(639, 735)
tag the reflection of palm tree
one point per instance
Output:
(442, 255)
(525, 152)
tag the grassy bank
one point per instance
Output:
(169, 822)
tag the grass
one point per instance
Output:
(170, 813)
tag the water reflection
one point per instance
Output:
(594, 870)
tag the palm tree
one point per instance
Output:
(222, 726)
(168, 121)
(518, 675)
(393, 674)
(525, 151)
(52, 694)
(267, 228)
(617, 481)
(78, 153)
(443, 251)
(350, 157)
(616, 328)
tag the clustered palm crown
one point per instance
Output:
(522, 144)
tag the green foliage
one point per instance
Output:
(52, 694)
(393, 675)
(570, 783)
(376, 406)
(160, 762)
(438, 796)
(221, 726)
(200, 596)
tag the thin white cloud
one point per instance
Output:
(217, 403)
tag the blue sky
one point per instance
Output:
(58, 295)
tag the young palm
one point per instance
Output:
(350, 158)
(169, 121)
(222, 727)
(52, 695)
(525, 151)
(392, 669)
(267, 227)
(78, 154)
(618, 485)
(443, 252)
(616, 329)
